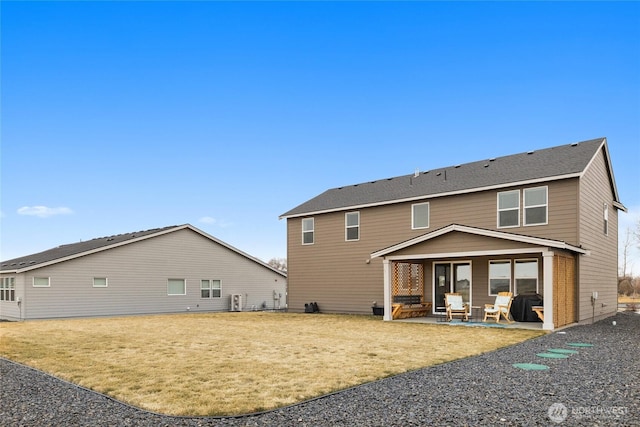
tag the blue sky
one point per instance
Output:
(125, 116)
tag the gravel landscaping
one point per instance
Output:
(596, 385)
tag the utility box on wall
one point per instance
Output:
(236, 302)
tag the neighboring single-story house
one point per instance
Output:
(164, 270)
(543, 222)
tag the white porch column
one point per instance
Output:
(387, 290)
(547, 273)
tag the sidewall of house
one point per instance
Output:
(137, 278)
(597, 271)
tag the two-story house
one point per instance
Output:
(543, 222)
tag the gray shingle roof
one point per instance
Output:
(539, 165)
(71, 249)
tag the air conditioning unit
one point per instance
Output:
(236, 302)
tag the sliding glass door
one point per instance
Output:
(451, 277)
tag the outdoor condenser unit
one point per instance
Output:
(236, 302)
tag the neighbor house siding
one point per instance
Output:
(335, 273)
(137, 276)
(598, 270)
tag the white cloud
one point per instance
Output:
(207, 220)
(219, 223)
(43, 211)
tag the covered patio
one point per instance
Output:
(478, 263)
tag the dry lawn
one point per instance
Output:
(234, 363)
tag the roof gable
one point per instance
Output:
(553, 163)
(75, 250)
(479, 232)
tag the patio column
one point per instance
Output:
(387, 290)
(547, 272)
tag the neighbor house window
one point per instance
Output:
(99, 282)
(176, 287)
(535, 206)
(41, 282)
(420, 215)
(605, 216)
(352, 225)
(509, 209)
(526, 276)
(499, 277)
(307, 231)
(7, 289)
(210, 288)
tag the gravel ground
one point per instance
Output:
(597, 386)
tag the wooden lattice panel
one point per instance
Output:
(408, 279)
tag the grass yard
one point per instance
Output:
(234, 363)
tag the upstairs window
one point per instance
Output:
(420, 216)
(352, 225)
(605, 216)
(509, 209)
(535, 206)
(307, 231)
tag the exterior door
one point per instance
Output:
(442, 285)
(451, 277)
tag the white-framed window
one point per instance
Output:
(8, 289)
(605, 217)
(41, 282)
(176, 287)
(535, 206)
(509, 209)
(100, 282)
(210, 288)
(526, 276)
(420, 215)
(352, 226)
(499, 276)
(307, 231)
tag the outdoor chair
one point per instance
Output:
(500, 308)
(455, 306)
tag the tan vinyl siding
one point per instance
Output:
(137, 276)
(333, 272)
(458, 242)
(598, 270)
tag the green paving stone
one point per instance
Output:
(552, 355)
(530, 366)
(579, 344)
(561, 351)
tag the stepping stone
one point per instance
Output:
(530, 366)
(579, 344)
(561, 351)
(553, 355)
